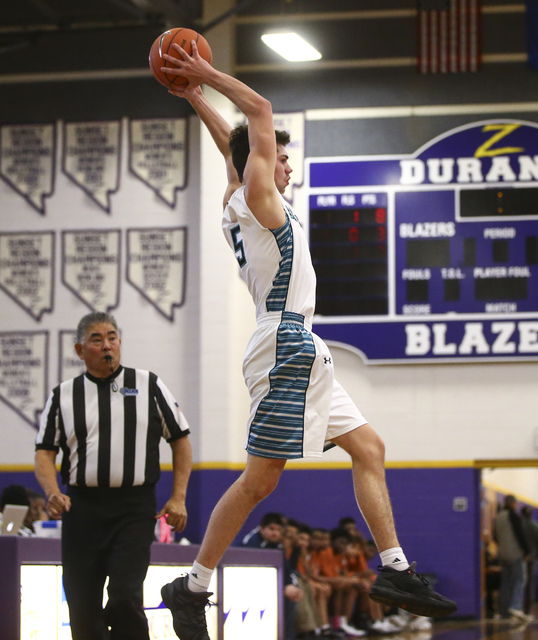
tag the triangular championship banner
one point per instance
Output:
(449, 35)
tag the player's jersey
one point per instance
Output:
(295, 402)
(275, 263)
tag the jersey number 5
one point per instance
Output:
(239, 247)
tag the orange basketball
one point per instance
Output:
(163, 44)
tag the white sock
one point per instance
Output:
(199, 578)
(394, 558)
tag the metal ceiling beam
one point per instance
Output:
(203, 28)
(137, 13)
(32, 30)
(46, 10)
(129, 7)
(172, 11)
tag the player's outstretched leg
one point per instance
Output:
(410, 591)
(188, 609)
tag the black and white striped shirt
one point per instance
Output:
(109, 430)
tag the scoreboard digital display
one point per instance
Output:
(349, 252)
(432, 256)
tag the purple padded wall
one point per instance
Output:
(442, 540)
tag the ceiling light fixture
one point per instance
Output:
(291, 46)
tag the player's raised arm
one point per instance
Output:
(217, 127)
(261, 194)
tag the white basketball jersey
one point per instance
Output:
(275, 263)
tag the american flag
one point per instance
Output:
(449, 35)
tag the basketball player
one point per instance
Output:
(296, 405)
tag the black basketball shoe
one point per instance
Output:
(410, 591)
(188, 609)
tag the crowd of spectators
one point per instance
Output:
(327, 581)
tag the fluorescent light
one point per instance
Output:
(291, 46)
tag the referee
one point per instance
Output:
(108, 423)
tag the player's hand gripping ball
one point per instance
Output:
(163, 44)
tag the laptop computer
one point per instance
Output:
(12, 518)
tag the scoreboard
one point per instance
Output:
(433, 256)
(349, 251)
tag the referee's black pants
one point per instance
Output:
(107, 532)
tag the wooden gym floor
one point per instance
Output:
(472, 630)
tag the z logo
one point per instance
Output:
(486, 150)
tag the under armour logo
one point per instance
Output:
(326, 360)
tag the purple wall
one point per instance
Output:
(443, 541)
(26, 478)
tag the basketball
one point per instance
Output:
(163, 44)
